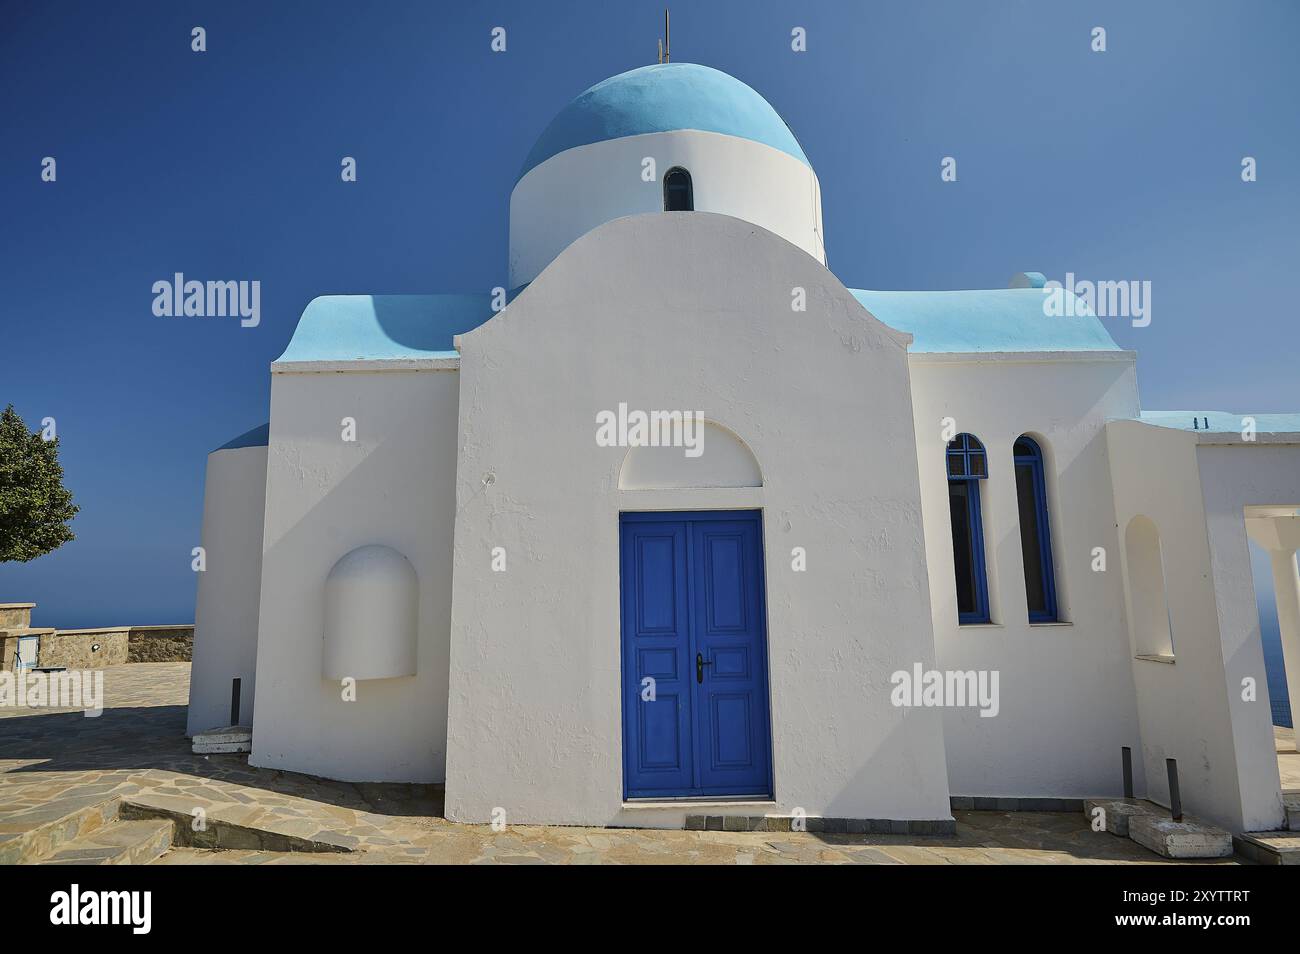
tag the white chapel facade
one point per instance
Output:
(580, 630)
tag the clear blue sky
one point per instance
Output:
(225, 165)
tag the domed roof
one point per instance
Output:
(664, 98)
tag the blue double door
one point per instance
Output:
(695, 690)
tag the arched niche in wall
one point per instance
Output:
(1148, 606)
(371, 609)
(715, 457)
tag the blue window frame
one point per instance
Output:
(967, 466)
(1035, 531)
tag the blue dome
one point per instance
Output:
(664, 98)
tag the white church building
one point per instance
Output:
(686, 524)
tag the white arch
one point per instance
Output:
(371, 605)
(724, 461)
(1148, 606)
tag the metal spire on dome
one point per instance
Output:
(665, 51)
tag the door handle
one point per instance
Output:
(700, 663)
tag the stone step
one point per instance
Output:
(235, 826)
(119, 843)
(1269, 847)
(229, 738)
(39, 832)
(177, 855)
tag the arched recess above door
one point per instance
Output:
(724, 460)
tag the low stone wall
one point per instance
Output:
(85, 648)
(160, 644)
(16, 615)
(103, 647)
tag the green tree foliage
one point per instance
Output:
(34, 505)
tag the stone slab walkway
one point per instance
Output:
(54, 761)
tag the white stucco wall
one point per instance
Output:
(1192, 710)
(1067, 697)
(687, 312)
(393, 486)
(1234, 476)
(226, 606)
(573, 192)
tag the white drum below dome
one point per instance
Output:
(371, 610)
(579, 189)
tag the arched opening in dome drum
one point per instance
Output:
(678, 194)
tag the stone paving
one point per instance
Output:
(53, 761)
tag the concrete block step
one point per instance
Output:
(1114, 813)
(229, 738)
(1291, 806)
(119, 843)
(1269, 847)
(1151, 827)
(1189, 838)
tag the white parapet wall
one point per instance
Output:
(1193, 704)
(1236, 475)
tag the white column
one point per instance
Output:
(1286, 587)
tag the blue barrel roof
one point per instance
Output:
(984, 320)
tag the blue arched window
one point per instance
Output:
(1035, 532)
(967, 466)
(679, 193)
